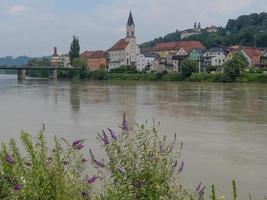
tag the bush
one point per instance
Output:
(234, 67)
(124, 69)
(198, 77)
(188, 67)
(42, 173)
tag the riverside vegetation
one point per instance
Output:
(138, 164)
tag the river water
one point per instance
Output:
(223, 126)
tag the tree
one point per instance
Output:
(74, 49)
(234, 67)
(188, 67)
(79, 63)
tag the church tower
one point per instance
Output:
(130, 27)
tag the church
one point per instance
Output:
(126, 50)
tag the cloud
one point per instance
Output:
(17, 10)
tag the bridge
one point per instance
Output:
(22, 70)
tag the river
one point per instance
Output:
(223, 126)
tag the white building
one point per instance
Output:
(125, 51)
(214, 57)
(65, 60)
(145, 61)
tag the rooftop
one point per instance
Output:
(120, 45)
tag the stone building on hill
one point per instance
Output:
(126, 50)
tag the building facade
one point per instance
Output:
(95, 60)
(125, 51)
(253, 56)
(55, 58)
(214, 57)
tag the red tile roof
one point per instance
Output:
(120, 45)
(186, 45)
(94, 54)
(87, 54)
(189, 45)
(165, 46)
(254, 55)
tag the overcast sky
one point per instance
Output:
(34, 27)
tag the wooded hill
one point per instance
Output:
(246, 30)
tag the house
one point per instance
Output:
(253, 56)
(126, 50)
(55, 58)
(197, 56)
(215, 56)
(177, 48)
(165, 48)
(156, 65)
(65, 60)
(264, 60)
(189, 32)
(95, 59)
(144, 61)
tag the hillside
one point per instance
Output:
(246, 30)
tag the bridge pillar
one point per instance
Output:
(21, 74)
(52, 74)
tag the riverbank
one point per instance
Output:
(247, 77)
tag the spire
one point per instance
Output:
(130, 20)
(55, 51)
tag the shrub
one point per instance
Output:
(124, 69)
(188, 67)
(42, 173)
(233, 67)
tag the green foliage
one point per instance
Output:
(141, 165)
(188, 67)
(206, 77)
(213, 193)
(74, 49)
(233, 67)
(124, 69)
(41, 173)
(79, 63)
(234, 190)
(252, 78)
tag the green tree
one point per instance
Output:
(188, 67)
(74, 49)
(234, 67)
(79, 63)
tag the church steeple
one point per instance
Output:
(130, 27)
(130, 20)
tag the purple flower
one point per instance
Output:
(92, 179)
(104, 137)
(181, 168)
(113, 134)
(9, 159)
(198, 187)
(78, 144)
(124, 123)
(18, 187)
